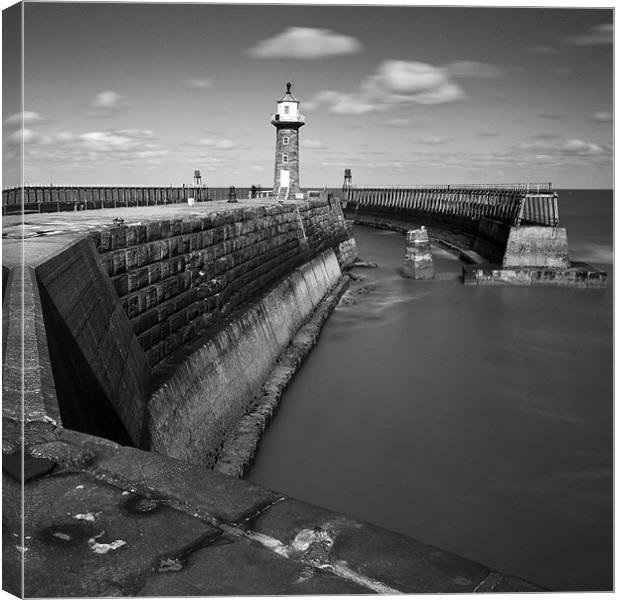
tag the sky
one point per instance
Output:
(143, 94)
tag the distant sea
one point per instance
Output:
(478, 420)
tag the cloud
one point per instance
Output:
(475, 70)
(552, 146)
(108, 100)
(311, 144)
(342, 103)
(599, 34)
(400, 122)
(65, 147)
(547, 136)
(553, 116)
(306, 43)
(106, 103)
(26, 119)
(198, 84)
(582, 148)
(561, 71)
(216, 144)
(488, 133)
(602, 116)
(399, 81)
(542, 50)
(394, 83)
(433, 140)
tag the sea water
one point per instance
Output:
(475, 419)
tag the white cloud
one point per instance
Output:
(583, 148)
(341, 103)
(306, 43)
(558, 147)
(599, 34)
(106, 103)
(217, 144)
(433, 140)
(26, 119)
(311, 144)
(398, 81)
(602, 116)
(198, 84)
(400, 122)
(107, 100)
(542, 50)
(553, 116)
(395, 82)
(122, 146)
(474, 70)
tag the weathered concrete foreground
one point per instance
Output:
(111, 521)
(153, 351)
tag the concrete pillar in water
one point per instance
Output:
(418, 262)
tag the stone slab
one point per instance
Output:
(84, 537)
(240, 567)
(375, 554)
(200, 491)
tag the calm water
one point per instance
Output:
(479, 420)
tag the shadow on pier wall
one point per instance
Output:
(82, 402)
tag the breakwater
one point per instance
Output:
(511, 233)
(126, 308)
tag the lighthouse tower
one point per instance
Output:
(287, 122)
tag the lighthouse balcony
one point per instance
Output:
(288, 119)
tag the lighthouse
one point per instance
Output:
(287, 122)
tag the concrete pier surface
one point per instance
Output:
(42, 234)
(88, 516)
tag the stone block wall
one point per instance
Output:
(175, 279)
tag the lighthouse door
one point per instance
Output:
(284, 177)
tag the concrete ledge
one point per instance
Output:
(110, 520)
(579, 275)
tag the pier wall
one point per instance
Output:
(126, 306)
(512, 226)
(194, 411)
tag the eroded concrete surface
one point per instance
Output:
(107, 520)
